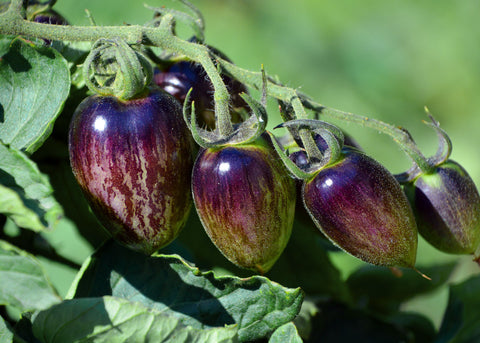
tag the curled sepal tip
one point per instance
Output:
(291, 166)
(113, 67)
(331, 134)
(194, 20)
(444, 150)
(245, 132)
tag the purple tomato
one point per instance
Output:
(362, 209)
(446, 204)
(246, 202)
(133, 161)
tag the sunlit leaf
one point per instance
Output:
(200, 299)
(6, 335)
(286, 334)
(34, 84)
(25, 193)
(113, 320)
(24, 284)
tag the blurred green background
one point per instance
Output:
(382, 59)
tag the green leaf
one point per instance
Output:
(5, 42)
(24, 284)
(461, 322)
(337, 323)
(12, 205)
(25, 193)
(286, 334)
(24, 331)
(166, 283)
(418, 326)
(303, 321)
(381, 290)
(6, 335)
(34, 84)
(311, 270)
(112, 320)
(74, 53)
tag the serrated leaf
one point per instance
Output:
(23, 282)
(6, 335)
(33, 207)
(34, 84)
(461, 322)
(111, 320)
(166, 283)
(286, 334)
(381, 290)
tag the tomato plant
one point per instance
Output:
(128, 214)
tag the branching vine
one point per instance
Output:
(162, 35)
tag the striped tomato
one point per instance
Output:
(246, 202)
(133, 161)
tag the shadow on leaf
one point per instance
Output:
(164, 284)
(16, 61)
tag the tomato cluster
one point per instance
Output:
(134, 160)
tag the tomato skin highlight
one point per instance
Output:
(133, 161)
(362, 209)
(446, 204)
(246, 202)
(181, 76)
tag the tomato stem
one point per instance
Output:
(301, 101)
(12, 23)
(163, 36)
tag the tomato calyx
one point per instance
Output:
(316, 158)
(444, 150)
(113, 67)
(36, 8)
(244, 132)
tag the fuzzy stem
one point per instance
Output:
(12, 23)
(283, 93)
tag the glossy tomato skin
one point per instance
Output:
(362, 209)
(446, 204)
(300, 159)
(133, 161)
(50, 17)
(181, 76)
(246, 202)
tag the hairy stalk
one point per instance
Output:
(401, 136)
(12, 23)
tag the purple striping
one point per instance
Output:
(246, 202)
(121, 154)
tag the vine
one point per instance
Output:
(162, 35)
